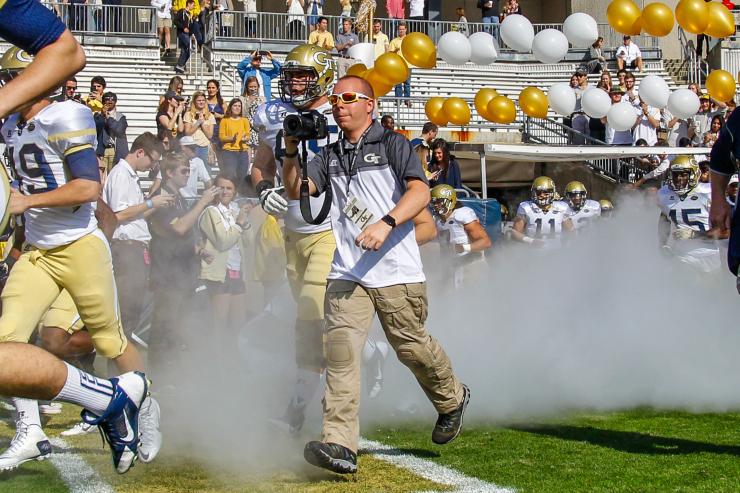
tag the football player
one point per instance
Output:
(459, 230)
(305, 80)
(684, 216)
(582, 209)
(607, 208)
(539, 222)
(51, 149)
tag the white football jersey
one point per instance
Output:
(452, 231)
(544, 225)
(37, 152)
(690, 215)
(589, 212)
(268, 120)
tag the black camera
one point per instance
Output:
(310, 125)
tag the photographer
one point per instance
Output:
(112, 141)
(378, 186)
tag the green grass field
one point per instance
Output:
(640, 450)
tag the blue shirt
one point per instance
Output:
(29, 25)
(246, 70)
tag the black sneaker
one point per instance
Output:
(331, 456)
(449, 425)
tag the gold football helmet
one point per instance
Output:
(684, 174)
(444, 200)
(607, 208)
(306, 75)
(543, 185)
(13, 61)
(576, 194)
(504, 212)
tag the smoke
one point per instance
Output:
(605, 323)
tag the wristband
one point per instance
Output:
(263, 185)
(528, 240)
(149, 203)
(466, 248)
(389, 220)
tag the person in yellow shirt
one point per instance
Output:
(380, 39)
(321, 37)
(234, 135)
(402, 90)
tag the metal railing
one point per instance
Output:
(695, 68)
(107, 19)
(224, 69)
(269, 26)
(551, 132)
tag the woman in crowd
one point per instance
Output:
(217, 108)
(234, 137)
(606, 80)
(296, 19)
(170, 115)
(444, 168)
(200, 122)
(511, 7)
(176, 85)
(251, 100)
(710, 136)
(224, 226)
(596, 62)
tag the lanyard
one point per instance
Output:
(350, 167)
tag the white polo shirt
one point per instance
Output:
(631, 52)
(120, 192)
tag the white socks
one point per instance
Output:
(28, 410)
(305, 387)
(83, 389)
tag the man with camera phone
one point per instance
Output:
(305, 79)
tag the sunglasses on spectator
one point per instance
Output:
(346, 97)
(109, 100)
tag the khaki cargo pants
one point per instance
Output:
(402, 310)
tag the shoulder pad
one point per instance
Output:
(68, 124)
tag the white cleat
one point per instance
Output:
(50, 408)
(80, 428)
(29, 443)
(149, 433)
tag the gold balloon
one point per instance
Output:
(418, 49)
(721, 84)
(721, 21)
(457, 111)
(391, 66)
(380, 84)
(692, 15)
(657, 19)
(434, 110)
(623, 16)
(482, 98)
(533, 102)
(357, 69)
(502, 110)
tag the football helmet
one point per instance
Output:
(444, 199)
(576, 195)
(683, 175)
(504, 212)
(546, 185)
(13, 62)
(607, 208)
(294, 87)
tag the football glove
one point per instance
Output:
(273, 202)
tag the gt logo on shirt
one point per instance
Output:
(372, 158)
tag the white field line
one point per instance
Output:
(75, 472)
(430, 470)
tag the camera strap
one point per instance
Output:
(305, 196)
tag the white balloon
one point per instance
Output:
(550, 46)
(562, 98)
(454, 48)
(365, 52)
(483, 48)
(581, 30)
(621, 116)
(654, 91)
(683, 103)
(595, 102)
(517, 32)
